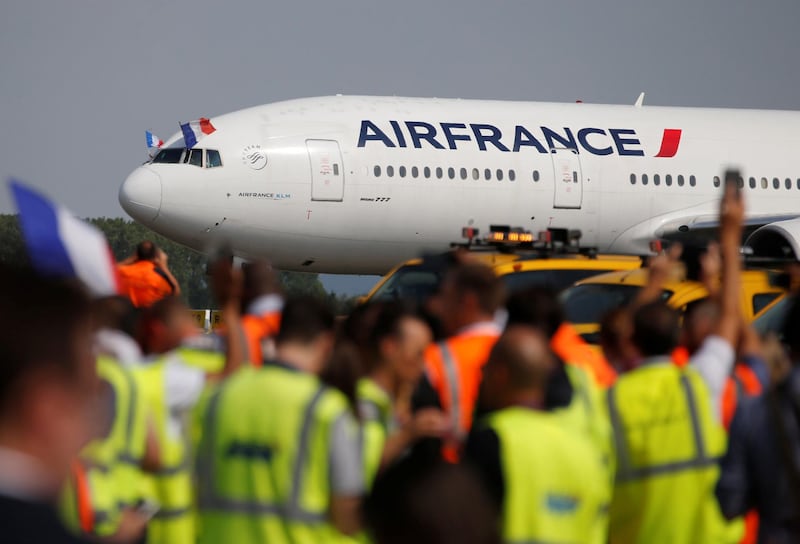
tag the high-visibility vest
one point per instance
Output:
(375, 408)
(263, 461)
(455, 370)
(556, 489)
(104, 479)
(144, 283)
(574, 350)
(171, 486)
(587, 414)
(667, 443)
(258, 331)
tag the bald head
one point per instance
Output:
(519, 368)
(259, 279)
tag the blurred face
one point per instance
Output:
(61, 409)
(405, 353)
(170, 334)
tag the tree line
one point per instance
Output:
(188, 265)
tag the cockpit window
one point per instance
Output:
(195, 157)
(213, 158)
(170, 155)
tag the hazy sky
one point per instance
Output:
(81, 80)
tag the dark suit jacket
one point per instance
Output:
(31, 522)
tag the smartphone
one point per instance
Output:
(732, 179)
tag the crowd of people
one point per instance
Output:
(481, 417)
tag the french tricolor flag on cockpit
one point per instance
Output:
(62, 246)
(152, 140)
(193, 131)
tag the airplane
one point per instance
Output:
(356, 184)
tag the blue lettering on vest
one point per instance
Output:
(250, 451)
(617, 134)
(561, 504)
(582, 139)
(523, 137)
(369, 131)
(447, 128)
(429, 134)
(493, 137)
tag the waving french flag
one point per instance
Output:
(61, 245)
(193, 131)
(152, 140)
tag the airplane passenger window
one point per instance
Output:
(668, 180)
(680, 180)
(499, 175)
(716, 181)
(213, 158)
(764, 183)
(439, 172)
(656, 180)
(451, 173)
(644, 179)
(376, 171)
(414, 172)
(788, 183)
(476, 174)
(463, 173)
(776, 183)
(752, 183)
(535, 175)
(402, 171)
(195, 157)
(512, 176)
(798, 183)
(170, 155)
(487, 174)
(633, 179)
(427, 172)
(692, 181)
(390, 171)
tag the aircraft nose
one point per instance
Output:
(140, 194)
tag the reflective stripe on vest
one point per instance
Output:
(626, 472)
(453, 386)
(210, 500)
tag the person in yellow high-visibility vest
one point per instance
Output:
(547, 478)
(280, 457)
(393, 362)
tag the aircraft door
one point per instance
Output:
(327, 170)
(568, 179)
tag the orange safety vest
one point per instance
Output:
(258, 328)
(83, 496)
(144, 283)
(455, 370)
(573, 350)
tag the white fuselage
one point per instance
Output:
(339, 184)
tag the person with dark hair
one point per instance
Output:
(547, 478)
(665, 422)
(280, 457)
(761, 468)
(48, 388)
(469, 297)
(430, 504)
(145, 277)
(393, 364)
